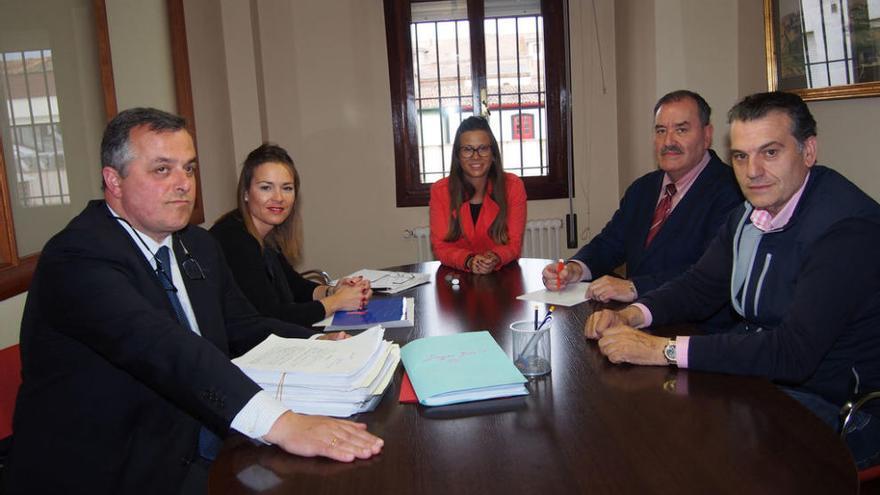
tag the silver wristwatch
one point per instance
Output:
(669, 352)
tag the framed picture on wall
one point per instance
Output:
(823, 49)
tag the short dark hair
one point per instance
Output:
(758, 105)
(115, 145)
(682, 94)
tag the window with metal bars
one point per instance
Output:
(37, 147)
(452, 59)
(828, 43)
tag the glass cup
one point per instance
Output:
(531, 349)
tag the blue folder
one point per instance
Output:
(463, 367)
(387, 311)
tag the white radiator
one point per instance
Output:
(422, 235)
(540, 240)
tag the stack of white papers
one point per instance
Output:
(392, 282)
(332, 378)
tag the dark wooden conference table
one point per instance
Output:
(587, 427)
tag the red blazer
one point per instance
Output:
(476, 239)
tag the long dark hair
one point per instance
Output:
(461, 190)
(286, 237)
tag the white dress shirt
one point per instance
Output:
(256, 418)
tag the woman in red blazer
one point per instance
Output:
(478, 212)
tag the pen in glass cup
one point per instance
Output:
(547, 317)
(534, 338)
(536, 318)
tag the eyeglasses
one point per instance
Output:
(191, 266)
(193, 269)
(482, 150)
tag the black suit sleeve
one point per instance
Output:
(607, 250)
(718, 201)
(122, 315)
(700, 292)
(839, 281)
(246, 326)
(252, 274)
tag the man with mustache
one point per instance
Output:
(797, 262)
(667, 217)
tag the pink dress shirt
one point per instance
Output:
(763, 221)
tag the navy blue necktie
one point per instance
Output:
(209, 443)
(163, 271)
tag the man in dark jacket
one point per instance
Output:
(667, 217)
(126, 336)
(799, 265)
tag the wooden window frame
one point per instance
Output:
(410, 190)
(17, 271)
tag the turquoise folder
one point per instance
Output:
(463, 367)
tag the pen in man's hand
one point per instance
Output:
(560, 265)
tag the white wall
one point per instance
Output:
(683, 44)
(716, 48)
(141, 48)
(143, 76)
(848, 132)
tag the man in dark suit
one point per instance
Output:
(127, 331)
(667, 217)
(796, 263)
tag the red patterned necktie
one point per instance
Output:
(661, 213)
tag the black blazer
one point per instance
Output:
(114, 390)
(265, 276)
(684, 237)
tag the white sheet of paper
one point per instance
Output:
(572, 294)
(391, 282)
(329, 358)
